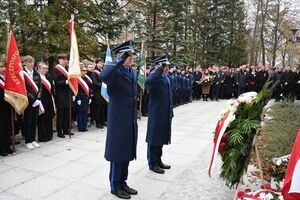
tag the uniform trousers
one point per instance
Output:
(62, 120)
(154, 154)
(30, 123)
(82, 119)
(5, 126)
(118, 175)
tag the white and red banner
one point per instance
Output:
(15, 92)
(291, 185)
(74, 64)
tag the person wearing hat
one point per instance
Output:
(5, 119)
(160, 114)
(122, 127)
(62, 95)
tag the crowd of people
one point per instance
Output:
(214, 82)
(49, 94)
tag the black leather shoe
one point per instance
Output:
(68, 134)
(9, 150)
(99, 126)
(163, 166)
(157, 169)
(129, 190)
(121, 194)
(60, 135)
(3, 152)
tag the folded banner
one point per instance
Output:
(291, 185)
(15, 90)
(74, 65)
(108, 59)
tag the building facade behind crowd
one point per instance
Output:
(50, 99)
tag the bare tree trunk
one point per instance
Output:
(264, 10)
(276, 34)
(253, 50)
(153, 27)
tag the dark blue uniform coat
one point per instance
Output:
(160, 112)
(122, 127)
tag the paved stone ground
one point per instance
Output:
(75, 168)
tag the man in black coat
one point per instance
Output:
(288, 83)
(98, 101)
(241, 79)
(5, 119)
(197, 75)
(160, 115)
(122, 126)
(62, 95)
(277, 80)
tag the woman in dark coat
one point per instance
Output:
(229, 84)
(45, 127)
(160, 116)
(252, 81)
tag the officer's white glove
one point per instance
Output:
(79, 102)
(73, 98)
(285, 83)
(36, 103)
(298, 82)
(90, 101)
(67, 82)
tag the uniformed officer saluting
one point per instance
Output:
(122, 127)
(160, 114)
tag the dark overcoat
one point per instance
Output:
(62, 91)
(122, 126)
(83, 97)
(160, 112)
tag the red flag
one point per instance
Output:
(291, 185)
(74, 65)
(15, 89)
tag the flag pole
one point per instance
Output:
(70, 94)
(13, 136)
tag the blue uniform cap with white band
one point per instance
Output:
(126, 46)
(162, 60)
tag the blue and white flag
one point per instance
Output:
(108, 59)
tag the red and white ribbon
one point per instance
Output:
(31, 82)
(47, 85)
(84, 86)
(219, 132)
(89, 80)
(2, 83)
(62, 70)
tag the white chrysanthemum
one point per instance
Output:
(230, 102)
(269, 196)
(232, 109)
(278, 162)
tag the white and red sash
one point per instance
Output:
(2, 83)
(35, 89)
(31, 82)
(97, 72)
(47, 85)
(89, 80)
(62, 70)
(84, 86)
